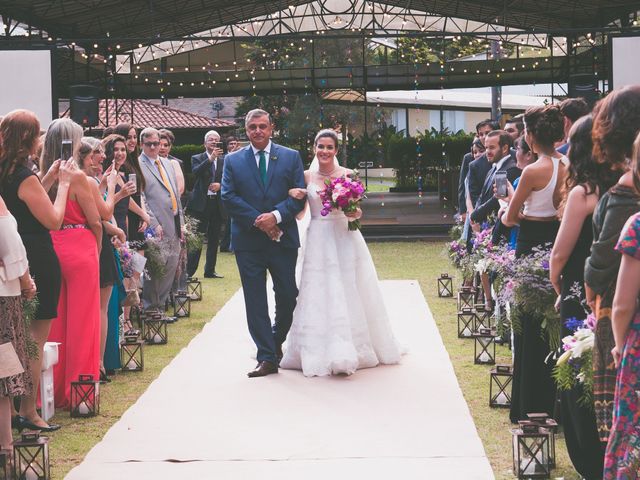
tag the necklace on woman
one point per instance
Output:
(328, 174)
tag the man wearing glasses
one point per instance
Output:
(165, 210)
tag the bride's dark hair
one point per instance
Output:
(326, 133)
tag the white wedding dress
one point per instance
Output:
(340, 323)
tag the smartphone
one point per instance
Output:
(132, 178)
(66, 150)
(501, 184)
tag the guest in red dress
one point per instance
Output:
(77, 244)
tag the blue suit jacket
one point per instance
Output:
(245, 197)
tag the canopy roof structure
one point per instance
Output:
(170, 48)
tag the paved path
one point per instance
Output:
(202, 418)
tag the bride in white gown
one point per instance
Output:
(340, 323)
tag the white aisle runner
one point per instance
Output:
(203, 418)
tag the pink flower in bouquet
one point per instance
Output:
(342, 193)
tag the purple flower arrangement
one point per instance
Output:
(343, 193)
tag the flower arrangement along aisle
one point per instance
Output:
(527, 287)
(574, 365)
(156, 253)
(456, 250)
(193, 239)
(343, 193)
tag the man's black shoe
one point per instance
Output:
(213, 275)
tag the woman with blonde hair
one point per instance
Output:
(77, 244)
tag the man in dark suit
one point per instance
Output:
(264, 232)
(501, 159)
(205, 204)
(482, 129)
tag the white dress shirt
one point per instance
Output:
(267, 152)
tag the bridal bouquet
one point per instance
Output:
(574, 365)
(126, 260)
(343, 193)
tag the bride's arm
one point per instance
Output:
(298, 191)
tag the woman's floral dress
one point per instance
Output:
(622, 459)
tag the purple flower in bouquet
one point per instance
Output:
(342, 193)
(590, 322)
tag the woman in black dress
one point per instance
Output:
(137, 218)
(539, 191)
(586, 180)
(29, 203)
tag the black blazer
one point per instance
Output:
(478, 170)
(462, 191)
(487, 203)
(201, 168)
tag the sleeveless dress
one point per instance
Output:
(43, 261)
(579, 421)
(622, 460)
(77, 327)
(533, 388)
(340, 323)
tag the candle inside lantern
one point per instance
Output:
(131, 365)
(83, 408)
(484, 357)
(466, 332)
(157, 338)
(501, 399)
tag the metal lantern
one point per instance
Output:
(549, 424)
(484, 347)
(530, 451)
(483, 317)
(500, 386)
(5, 456)
(466, 297)
(445, 285)
(85, 397)
(466, 318)
(181, 305)
(155, 329)
(31, 457)
(132, 354)
(194, 289)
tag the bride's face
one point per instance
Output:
(326, 150)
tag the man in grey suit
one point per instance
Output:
(165, 210)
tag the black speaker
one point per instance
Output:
(584, 85)
(84, 104)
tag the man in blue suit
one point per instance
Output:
(255, 192)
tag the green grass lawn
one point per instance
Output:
(419, 261)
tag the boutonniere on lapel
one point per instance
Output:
(273, 157)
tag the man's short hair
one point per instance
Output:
(147, 132)
(574, 108)
(256, 112)
(488, 122)
(504, 137)
(518, 122)
(167, 135)
(209, 133)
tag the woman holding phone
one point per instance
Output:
(28, 202)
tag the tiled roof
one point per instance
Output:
(147, 114)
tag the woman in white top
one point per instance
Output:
(15, 283)
(540, 192)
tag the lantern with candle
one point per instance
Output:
(194, 289)
(530, 451)
(132, 354)
(445, 285)
(466, 318)
(31, 457)
(482, 318)
(85, 397)
(484, 347)
(551, 426)
(155, 329)
(466, 297)
(500, 386)
(181, 305)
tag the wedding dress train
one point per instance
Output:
(340, 323)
